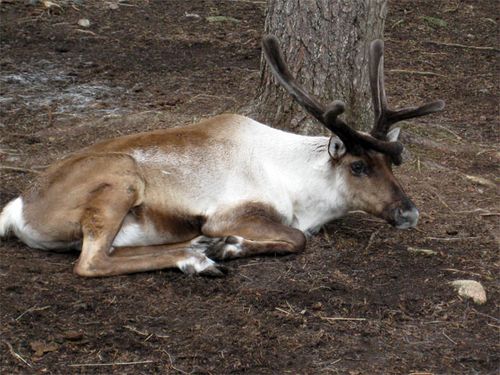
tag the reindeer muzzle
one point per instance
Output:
(405, 216)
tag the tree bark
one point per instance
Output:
(325, 44)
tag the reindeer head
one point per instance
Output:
(364, 160)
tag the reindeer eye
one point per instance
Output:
(358, 168)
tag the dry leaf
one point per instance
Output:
(73, 335)
(41, 347)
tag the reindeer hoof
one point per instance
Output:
(230, 248)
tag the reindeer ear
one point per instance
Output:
(393, 135)
(336, 147)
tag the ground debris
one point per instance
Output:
(42, 347)
(416, 250)
(480, 180)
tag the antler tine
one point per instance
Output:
(376, 84)
(385, 117)
(274, 58)
(411, 112)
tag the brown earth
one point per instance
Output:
(152, 64)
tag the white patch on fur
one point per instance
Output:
(196, 262)
(12, 220)
(129, 235)
(11, 217)
(132, 233)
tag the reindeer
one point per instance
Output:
(225, 188)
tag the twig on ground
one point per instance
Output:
(335, 319)
(461, 271)
(481, 48)
(445, 129)
(31, 309)
(490, 214)
(16, 355)
(449, 338)
(370, 240)
(416, 72)
(452, 238)
(486, 315)
(172, 364)
(283, 311)
(135, 330)
(482, 211)
(109, 364)
(18, 169)
(249, 1)
(442, 201)
(472, 211)
(88, 32)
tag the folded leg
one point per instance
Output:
(249, 230)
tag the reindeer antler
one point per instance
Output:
(328, 116)
(385, 117)
(274, 58)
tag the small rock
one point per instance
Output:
(470, 289)
(113, 6)
(84, 22)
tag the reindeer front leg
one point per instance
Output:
(250, 230)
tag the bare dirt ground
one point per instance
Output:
(152, 64)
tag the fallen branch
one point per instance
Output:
(481, 48)
(417, 72)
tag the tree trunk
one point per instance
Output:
(325, 44)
